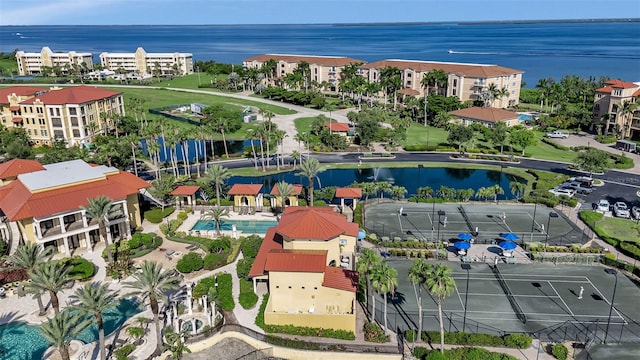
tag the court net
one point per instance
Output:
(512, 299)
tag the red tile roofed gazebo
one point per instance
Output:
(353, 193)
(246, 196)
(185, 195)
(292, 200)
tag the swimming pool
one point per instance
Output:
(20, 341)
(525, 117)
(246, 226)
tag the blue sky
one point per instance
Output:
(168, 12)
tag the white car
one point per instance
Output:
(557, 135)
(578, 187)
(557, 191)
(635, 211)
(620, 209)
(603, 205)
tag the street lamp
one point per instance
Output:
(551, 215)
(441, 213)
(466, 294)
(533, 221)
(613, 297)
(420, 166)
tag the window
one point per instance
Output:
(72, 111)
(455, 82)
(74, 121)
(43, 132)
(57, 122)
(76, 133)
(57, 111)
(41, 121)
(51, 111)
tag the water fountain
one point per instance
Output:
(192, 321)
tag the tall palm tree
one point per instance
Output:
(99, 209)
(385, 280)
(440, 284)
(310, 168)
(217, 214)
(92, 300)
(284, 191)
(63, 328)
(218, 174)
(28, 256)
(152, 282)
(51, 277)
(517, 188)
(418, 277)
(391, 81)
(495, 191)
(296, 156)
(367, 262)
(625, 113)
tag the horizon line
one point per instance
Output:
(388, 23)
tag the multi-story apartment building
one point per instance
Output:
(307, 261)
(10, 99)
(74, 114)
(31, 63)
(613, 109)
(464, 81)
(323, 68)
(44, 203)
(144, 63)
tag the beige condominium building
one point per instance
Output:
(73, 114)
(144, 63)
(323, 68)
(31, 63)
(613, 109)
(44, 204)
(464, 81)
(485, 116)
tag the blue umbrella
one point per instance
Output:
(510, 236)
(465, 236)
(361, 234)
(508, 245)
(462, 245)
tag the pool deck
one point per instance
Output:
(188, 224)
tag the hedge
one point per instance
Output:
(469, 353)
(225, 292)
(247, 298)
(214, 261)
(260, 317)
(250, 246)
(189, 263)
(82, 268)
(156, 215)
(517, 341)
(560, 351)
(374, 333)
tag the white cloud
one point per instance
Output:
(30, 12)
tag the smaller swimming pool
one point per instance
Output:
(525, 117)
(246, 226)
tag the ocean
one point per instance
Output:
(541, 50)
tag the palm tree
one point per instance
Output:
(50, 276)
(284, 191)
(176, 345)
(92, 300)
(295, 155)
(310, 168)
(425, 192)
(440, 284)
(496, 190)
(385, 280)
(28, 256)
(517, 188)
(152, 282)
(391, 81)
(624, 112)
(367, 261)
(63, 328)
(99, 209)
(217, 214)
(218, 174)
(418, 277)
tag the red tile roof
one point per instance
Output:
(621, 84)
(297, 190)
(14, 108)
(73, 95)
(19, 91)
(472, 70)
(271, 241)
(318, 60)
(341, 279)
(15, 167)
(315, 224)
(18, 203)
(185, 190)
(245, 189)
(349, 193)
(16, 119)
(337, 126)
(485, 114)
(296, 260)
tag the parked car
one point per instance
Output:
(603, 205)
(557, 191)
(557, 135)
(620, 209)
(578, 187)
(585, 181)
(635, 212)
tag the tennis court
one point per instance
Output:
(445, 221)
(540, 299)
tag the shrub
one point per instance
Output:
(123, 352)
(225, 295)
(260, 317)
(606, 139)
(518, 341)
(374, 333)
(12, 275)
(250, 246)
(460, 354)
(309, 331)
(247, 298)
(214, 261)
(81, 268)
(203, 286)
(243, 266)
(560, 351)
(189, 263)
(156, 215)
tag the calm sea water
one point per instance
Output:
(539, 49)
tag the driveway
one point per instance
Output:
(584, 139)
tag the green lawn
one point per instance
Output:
(418, 134)
(303, 124)
(6, 65)
(623, 229)
(190, 81)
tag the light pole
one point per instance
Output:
(533, 221)
(551, 215)
(441, 213)
(466, 294)
(420, 166)
(425, 116)
(613, 297)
